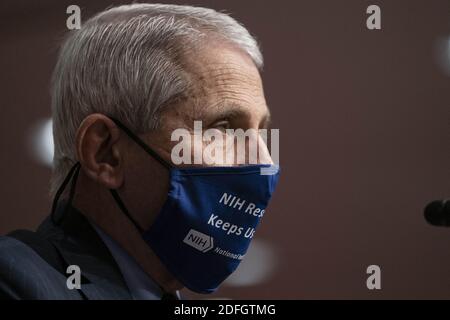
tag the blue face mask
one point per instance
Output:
(209, 218)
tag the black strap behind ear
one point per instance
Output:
(142, 144)
(74, 171)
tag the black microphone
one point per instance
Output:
(437, 213)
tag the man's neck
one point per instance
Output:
(99, 207)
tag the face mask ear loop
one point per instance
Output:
(165, 295)
(76, 169)
(119, 201)
(142, 144)
(125, 210)
(72, 188)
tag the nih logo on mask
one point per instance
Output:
(199, 241)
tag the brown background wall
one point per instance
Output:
(364, 124)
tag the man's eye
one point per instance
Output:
(221, 125)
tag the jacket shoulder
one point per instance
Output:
(25, 275)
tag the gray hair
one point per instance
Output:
(126, 62)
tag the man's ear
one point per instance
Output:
(98, 150)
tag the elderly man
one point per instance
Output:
(126, 222)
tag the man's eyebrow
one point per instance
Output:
(231, 110)
(231, 114)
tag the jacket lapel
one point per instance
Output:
(79, 244)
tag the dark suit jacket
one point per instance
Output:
(26, 275)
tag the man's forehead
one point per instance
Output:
(225, 80)
(222, 64)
